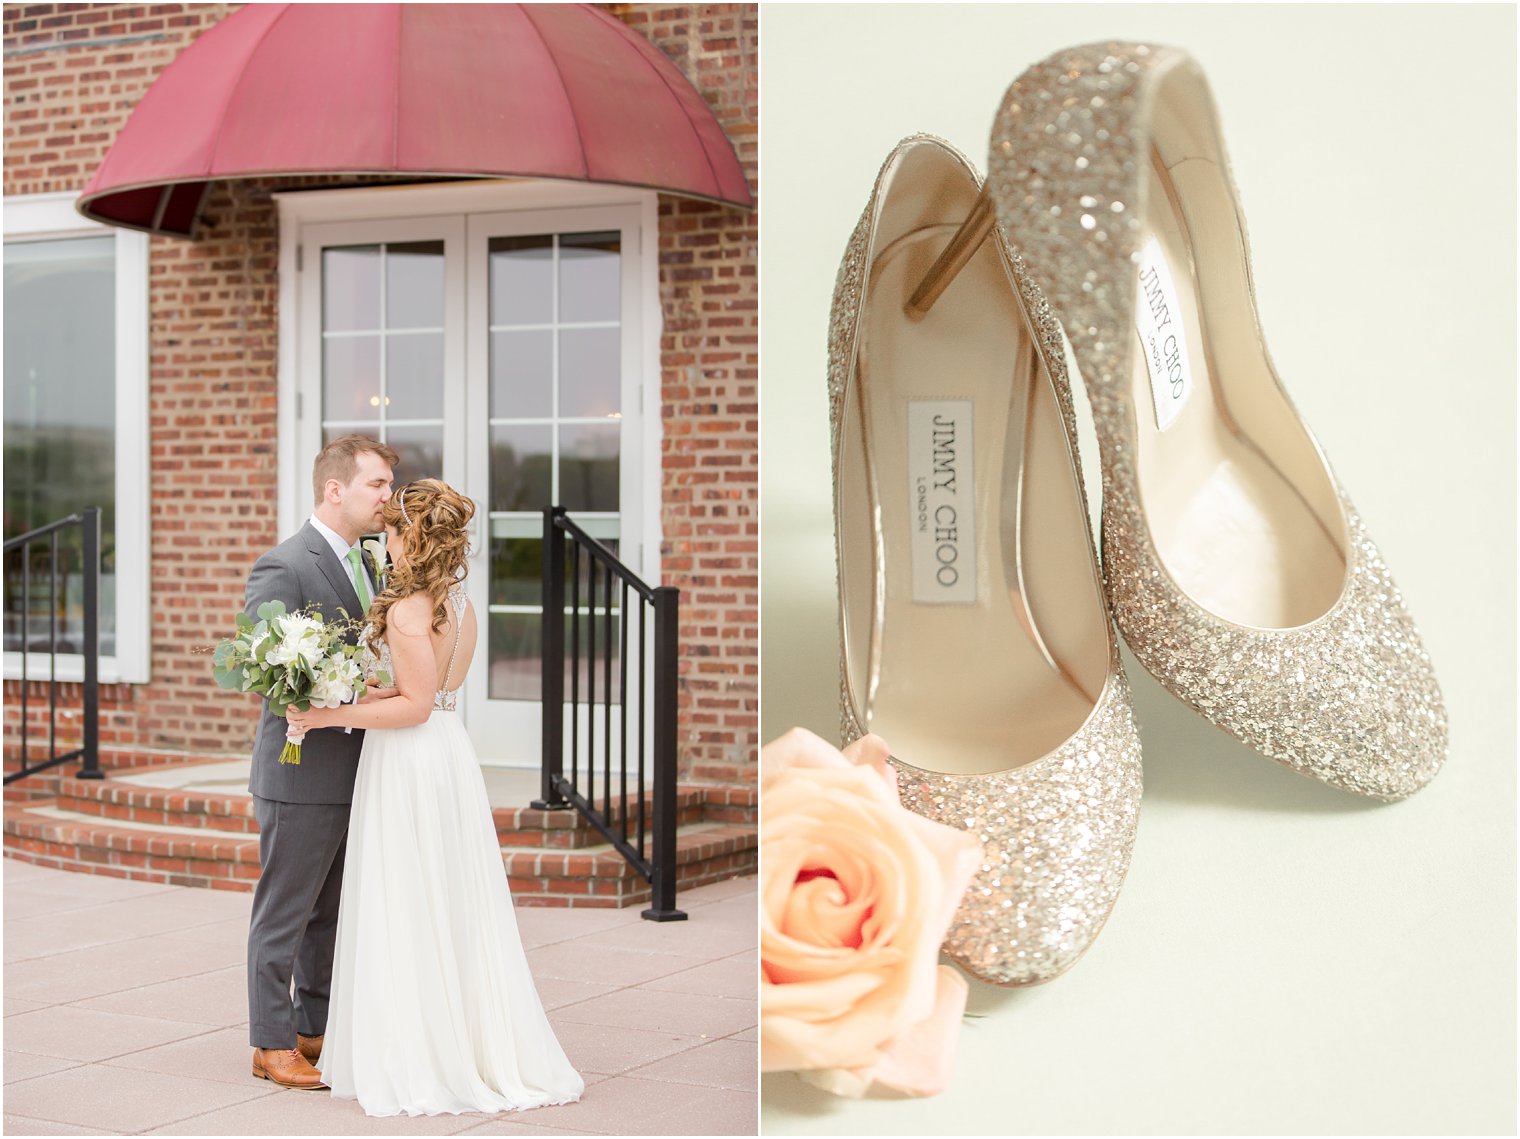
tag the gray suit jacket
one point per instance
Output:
(303, 571)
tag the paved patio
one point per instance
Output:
(126, 1013)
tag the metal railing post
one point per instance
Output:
(91, 527)
(667, 613)
(552, 698)
(26, 646)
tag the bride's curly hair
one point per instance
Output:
(431, 519)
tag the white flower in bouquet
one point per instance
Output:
(300, 637)
(326, 693)
(338, 677)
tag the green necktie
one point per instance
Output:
(361, 583)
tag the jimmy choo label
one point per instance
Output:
(1159, 320)
(943, 505)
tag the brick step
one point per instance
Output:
(49, 835)
(32, 788)
(565, 829)
(600, 876)
(44, 834)
(118, 800)
(232, 813)
(114, 762)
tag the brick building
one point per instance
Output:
(198, 397)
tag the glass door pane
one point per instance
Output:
(383, 321)
(554, 373)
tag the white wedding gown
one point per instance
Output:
(432, 1007)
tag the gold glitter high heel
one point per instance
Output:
(974, 636)
(1236, 566)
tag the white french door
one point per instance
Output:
(501, 352)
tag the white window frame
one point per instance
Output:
(41, 217)
(299, 209)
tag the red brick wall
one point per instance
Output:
(710, 357)
(212, 337)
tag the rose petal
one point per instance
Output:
(799, 1041)
(871, 751)
(958, 854)
(806, 993)
(838, 1081)
(797, 748)
(822, 907)
(918, 1062)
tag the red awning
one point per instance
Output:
(436, 90)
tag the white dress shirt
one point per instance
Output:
(334, 539)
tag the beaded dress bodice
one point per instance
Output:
(445, 699)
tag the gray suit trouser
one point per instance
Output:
(294, 925)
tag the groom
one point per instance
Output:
(302, 809)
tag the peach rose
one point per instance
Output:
(857, 893)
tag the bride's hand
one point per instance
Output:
(375, 691)
(301, 722)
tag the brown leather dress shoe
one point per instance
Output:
(310, 1047)
(286, 1067)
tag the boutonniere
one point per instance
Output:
(374, 553)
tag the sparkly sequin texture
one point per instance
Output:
(1349, 698)
(1057, 832)
(1056, 837)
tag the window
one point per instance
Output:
(75, 406)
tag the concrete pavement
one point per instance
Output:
(126, 1013)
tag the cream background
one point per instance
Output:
(1284, 957)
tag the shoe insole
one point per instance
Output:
(1231, 528)
(987, 642)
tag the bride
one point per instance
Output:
(433, 1008)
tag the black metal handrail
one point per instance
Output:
(650, 850)
(88, 521)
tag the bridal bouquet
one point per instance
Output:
(856, 894)
(292, 660)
